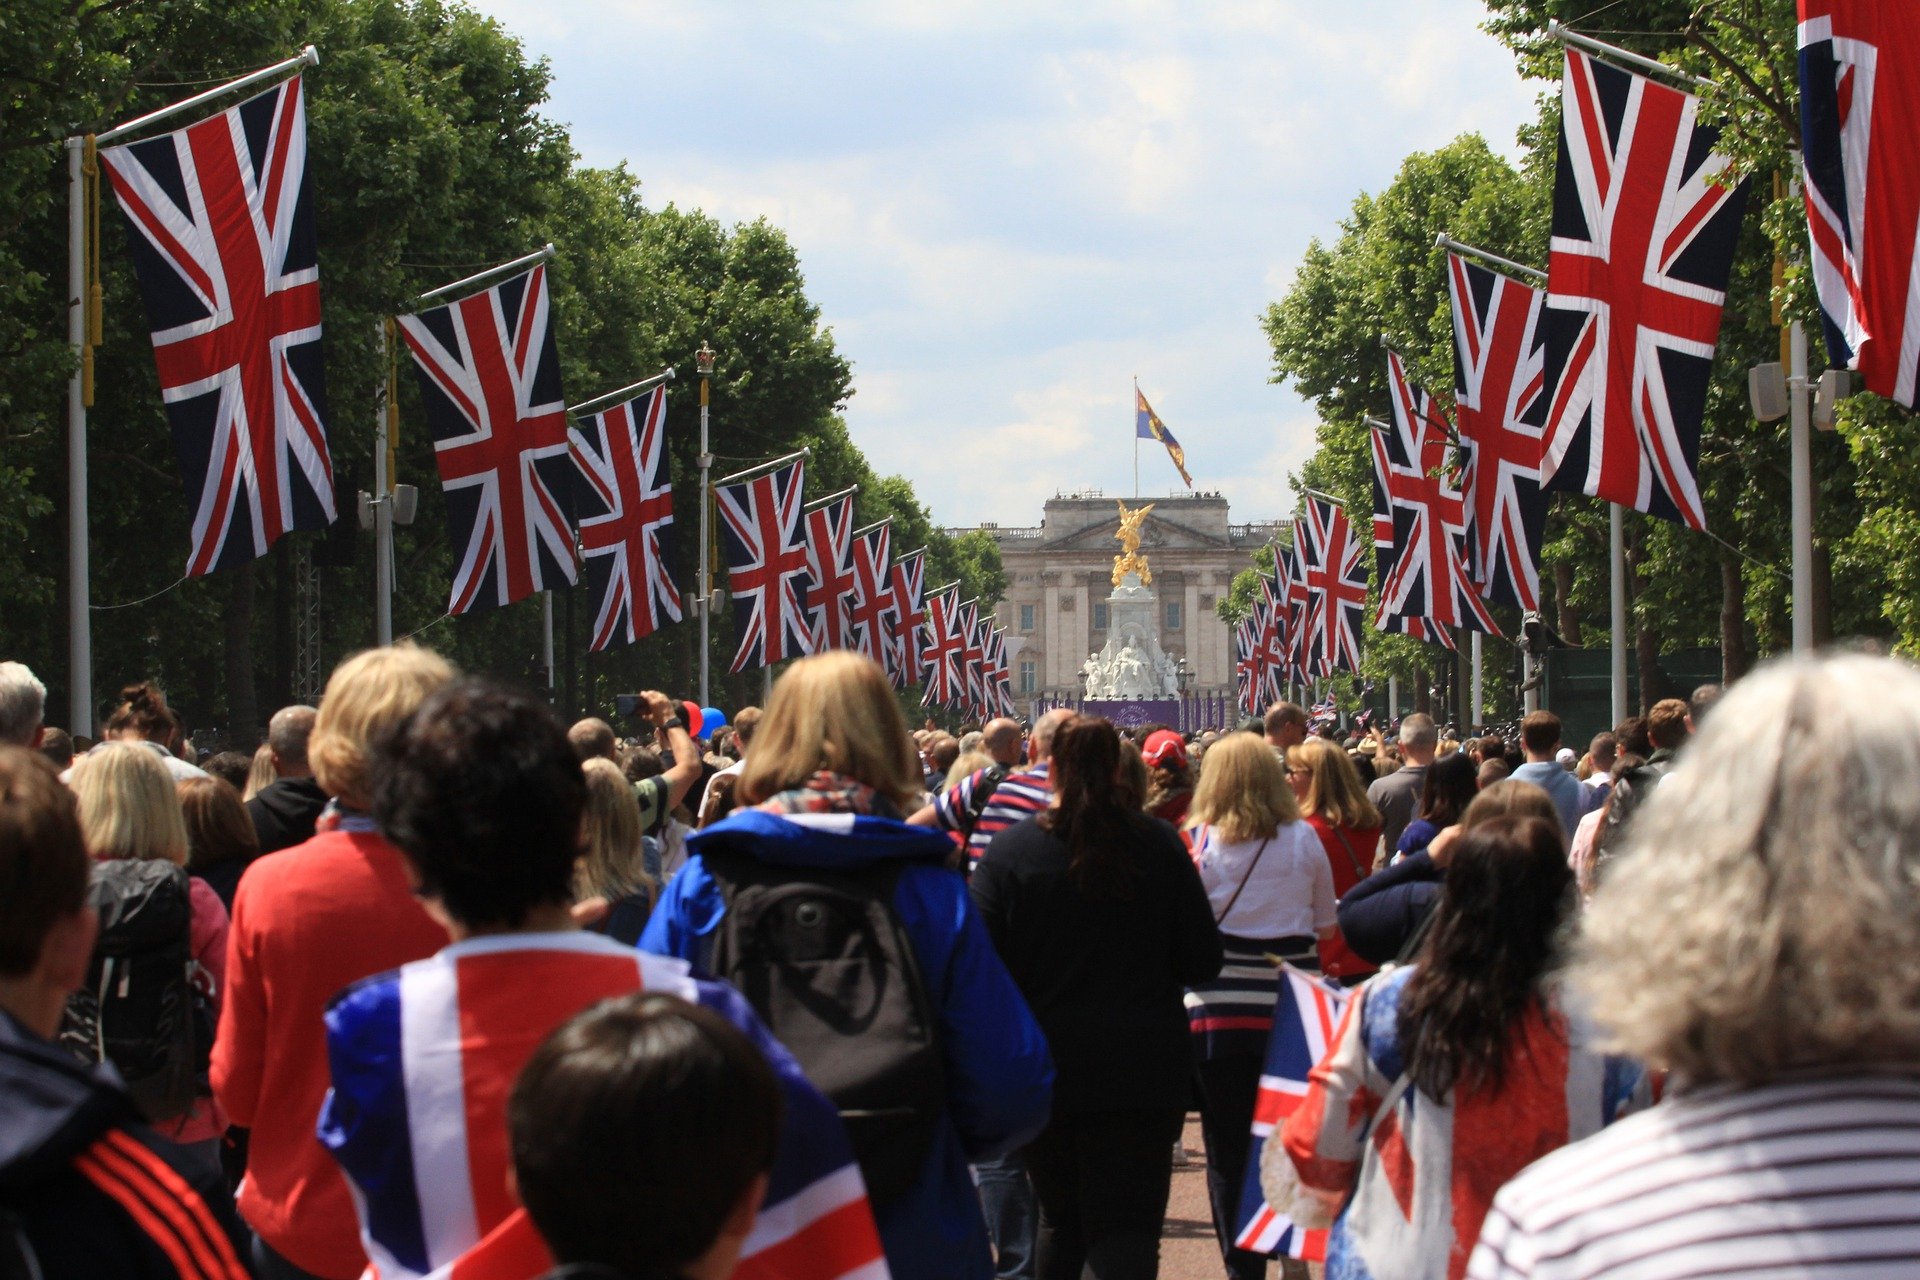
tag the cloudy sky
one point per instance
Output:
(1008, 211)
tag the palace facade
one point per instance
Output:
(1060, 573)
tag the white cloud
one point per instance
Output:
(1008, 211)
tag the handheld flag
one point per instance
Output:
(627, 511)
(1643, 241)
(1859, 123)
(1147, 426)
(220, 222)
(490, 380)
(1304, 1019)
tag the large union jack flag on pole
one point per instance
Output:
(1246, 667)
(767, 566)
(1500, 403)
(1860, 134)
(941, 656)
(489, 376)
(626, 512)
(829, 571)
(1419, 517)
(1643, 239)
(870, 609)
(220, 222)
(1334, 572)
(906, 582)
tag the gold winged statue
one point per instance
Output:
(1131, 561)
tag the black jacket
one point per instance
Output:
(1105, 976)
(1382, 912)
(78, 1173)
(284, 812)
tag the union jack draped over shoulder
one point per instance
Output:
(489, 374)
(767, 566)
(220, 223)
(1643, 240)
(1860, 135)
(626, 513)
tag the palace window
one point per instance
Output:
(1026, 675)
(1099, 615)
(1173, 615)
(1026, 617)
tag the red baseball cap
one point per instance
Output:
(1164, 746)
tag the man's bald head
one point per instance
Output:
(287, 735)
(592, 737)
(1001, 740)
(1049, 724)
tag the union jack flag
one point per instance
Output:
(766, 566)
(626, 513)
(1419, 516)
(998, 680)
(906, 581)
(424, 1059)
(1304, 1019)
(1500, 400)
(1643, 239)
(1271, 644)
(1334, 574)
(1418, 628)
(220, 222)
(490, 380)
(829, 572)
(972, 651)
(941, 657)
(1859, 118)
(870, 607)
(1247, 677)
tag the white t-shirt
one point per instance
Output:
(1289, 889)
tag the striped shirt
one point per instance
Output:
(1815, 1176)
(1018, 797)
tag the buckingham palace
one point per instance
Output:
(1059, 575)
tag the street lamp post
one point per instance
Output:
(703, 361)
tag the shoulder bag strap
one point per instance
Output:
(1347, 845)
(1228, 909)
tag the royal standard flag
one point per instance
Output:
(1147, 426)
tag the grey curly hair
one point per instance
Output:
(1766, 916)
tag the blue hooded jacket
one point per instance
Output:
(999, 1072)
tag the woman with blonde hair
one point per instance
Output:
(1334, 803)
(260, 774)
(612, 865)
(1757, 938)
(831, 770)
(1271, 890)
(130, 812)
(309, 921)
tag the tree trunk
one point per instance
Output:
(1569, 624)
(1734, 659)
(243, 711)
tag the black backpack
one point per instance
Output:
(146, 1006)
(824, 960)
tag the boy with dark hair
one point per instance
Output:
(483, 795)
(601, 1122)
(85, 1189)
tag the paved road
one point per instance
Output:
(1187, 1248)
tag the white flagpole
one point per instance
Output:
(1473, 718)
(1617, 549)
(1801, 444)
(382, 503)
(546, 641)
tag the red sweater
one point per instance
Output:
(1352, 862)
(307, 922)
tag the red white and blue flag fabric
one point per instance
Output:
(829, 572)
(1419, 516)
(906, 583)
(1860, 139)
(1643, 240)
(870, 607)
(1500, 404)
(941, 656)
(1335, 575)
(767, 566)
(1271, 636)
(626, 512)
(972, 653)
(999, 678)
(1304, 1018)
(489, 375)
(1246, 668)
(220, 221)
(422, 1062)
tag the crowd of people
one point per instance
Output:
(433, 984)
